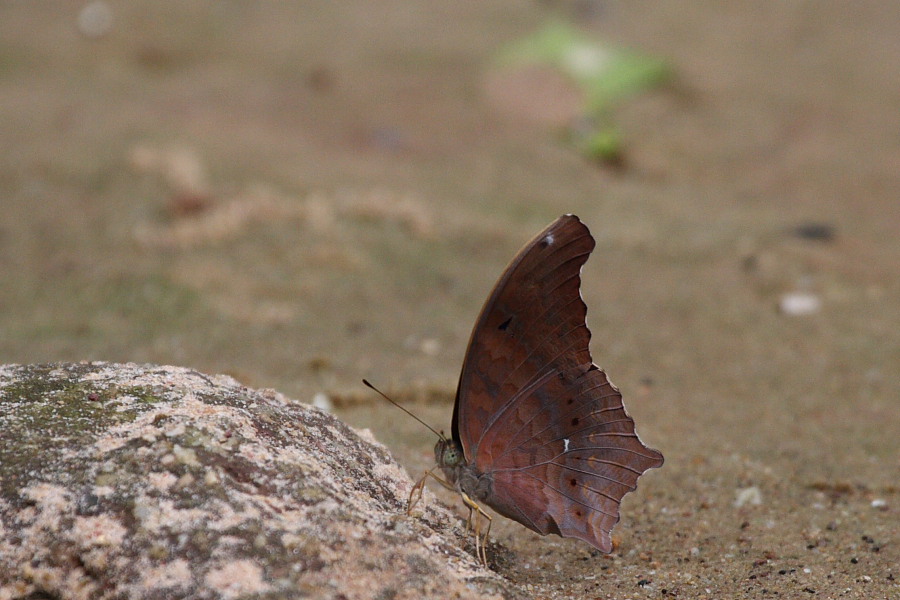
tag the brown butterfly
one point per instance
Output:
(539, 432)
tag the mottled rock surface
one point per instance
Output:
(141, 481)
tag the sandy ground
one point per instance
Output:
(305, 195)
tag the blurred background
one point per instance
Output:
(304, 194)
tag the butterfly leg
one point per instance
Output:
(486, 537)
(481, 539)
(415, 494)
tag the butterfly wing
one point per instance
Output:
(534, 412)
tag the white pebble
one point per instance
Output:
(750, 495)
(800, 303)
(95, 19)
(430, 347)
(323, 402)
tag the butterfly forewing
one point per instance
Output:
(532, 409)
(517, 335)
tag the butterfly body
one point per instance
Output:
(463, 477)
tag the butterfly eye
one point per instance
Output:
(451, 456)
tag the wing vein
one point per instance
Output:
(575, 500)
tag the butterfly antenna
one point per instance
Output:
(380, 393)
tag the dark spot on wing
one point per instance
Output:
(505, 324)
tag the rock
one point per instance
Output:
(141, 481)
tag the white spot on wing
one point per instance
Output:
(549, 239)
(565, 444)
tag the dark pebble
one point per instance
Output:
(818, 232)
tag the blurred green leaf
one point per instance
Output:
(604, 76)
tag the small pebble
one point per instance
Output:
(798, 304)
(322, 402)
(387, 138)
(430, 347)
(750, 495)
(95, 19)
(818, 232)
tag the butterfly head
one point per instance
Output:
(448, 454)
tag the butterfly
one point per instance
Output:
(539, 433)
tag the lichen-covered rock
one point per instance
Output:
(139, 481)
